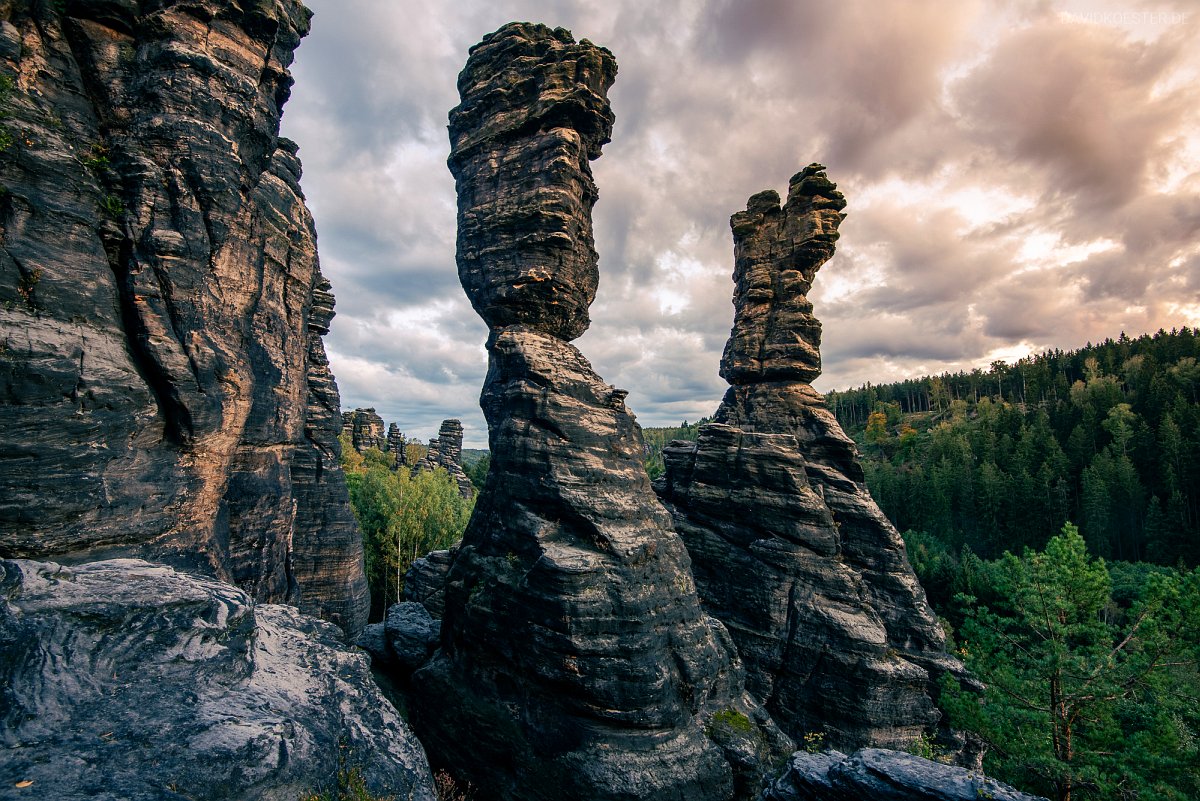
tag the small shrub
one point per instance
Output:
(96, 161)
(923, 747)
(111, 206)
(449, 789)
(814, 742)
(27, 286)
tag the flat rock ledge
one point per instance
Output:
(127, 680)
(881, 774)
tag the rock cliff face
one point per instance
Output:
(126, 681)
(788, 548)
(445, 451)
(573, 646)
(165, 391)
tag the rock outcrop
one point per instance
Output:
(365, 429)
(164, 391)
(404, 640)
(445, 451)
(573, 646)
(395, 444)
(788, 548)
(122, 680)
(883, 775)
(425, 581)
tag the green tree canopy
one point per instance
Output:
(1084, 698)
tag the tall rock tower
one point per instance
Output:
(788, 548)
(574, 649)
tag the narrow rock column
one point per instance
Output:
(575, 659)
(788, 548)
(395, 443)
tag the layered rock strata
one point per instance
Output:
(395, 444)
(365, 429)
(883, 775)
(126, 681)
(165, 392)
(445, 451)
(788, 548)
(573, 646)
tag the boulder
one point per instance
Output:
(124, 680)
(884, 775)
(411, 633)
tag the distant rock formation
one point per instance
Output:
(166, 392)
(365, 429)
(126, 680)
(573, 648)
(788, 548)
(882, 775)
(445, 451)
(395, 444)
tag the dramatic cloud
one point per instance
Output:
(1020, 175)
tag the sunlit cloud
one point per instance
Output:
(1021, 175)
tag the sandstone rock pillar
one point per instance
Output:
(575, 660)
(788, 548)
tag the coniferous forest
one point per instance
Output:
(1107, 437)
(1050, 510)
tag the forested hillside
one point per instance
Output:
(1107, 436)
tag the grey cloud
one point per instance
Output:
(1080, 100)
(716, 100)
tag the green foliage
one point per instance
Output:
(1108, 436)
(7, 87)
(814, 742)
(96, 161)
(351, 784)
(402, 517)
(112, 207)
(477, 470)
(657, 438)
(731, 720)
(351, 787)
(1084, 696)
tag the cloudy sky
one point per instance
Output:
(1021, 174)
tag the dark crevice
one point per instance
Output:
(117, 240)
(177, 418)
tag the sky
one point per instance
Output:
(1020, 175)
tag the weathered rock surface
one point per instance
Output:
(425, 581)
(395, 444)
(573, 646)
(122, 680)
(163, 388)
(533, 113)
(445, 451)
(365, 429)
(883, 775)
(788, 548)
